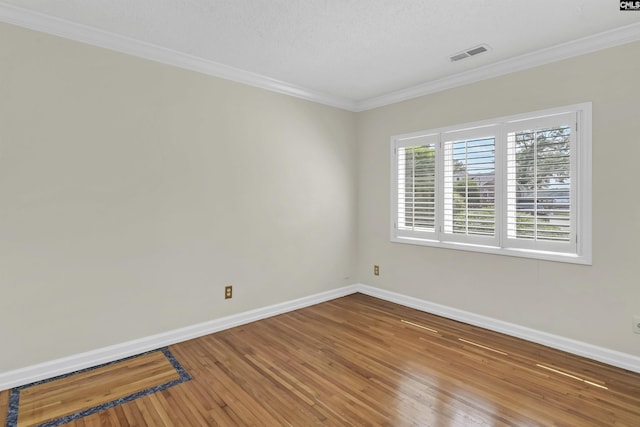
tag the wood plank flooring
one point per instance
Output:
(361, 361)
(4, 407)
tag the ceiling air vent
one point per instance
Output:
(469, 52)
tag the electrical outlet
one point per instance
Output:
(228, 292)
(376, 270)
(636, 324)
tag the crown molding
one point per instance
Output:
(96, 37)
(593, 43)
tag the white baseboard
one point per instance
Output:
(590, 351)
(97, 357)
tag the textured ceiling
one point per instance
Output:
(349, 49)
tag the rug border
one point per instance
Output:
(14, 396)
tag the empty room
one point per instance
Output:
(322, 212)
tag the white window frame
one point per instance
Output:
(578, 251)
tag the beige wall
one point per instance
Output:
(132, 192)
(593, 304)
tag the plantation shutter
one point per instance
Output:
(415, 186)
(470, 186)
(541, 195)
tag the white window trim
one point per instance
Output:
(583, 189)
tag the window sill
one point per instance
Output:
(495, 250)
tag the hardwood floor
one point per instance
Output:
(361, 361)
(4, 407)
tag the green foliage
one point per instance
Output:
(420, 167)
(526, 227)
(542, 158)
